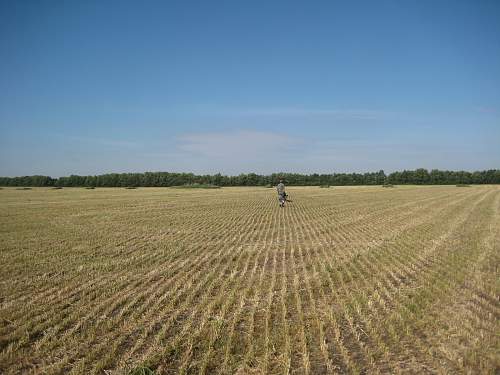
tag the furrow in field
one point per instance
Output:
(75, 293)
(319, 358)
(241, 287)
(293, 354)
(392, 274)
(346, 363)
(235, 345)
(460, 326)
(344, 280)
(200, 312)
(263, 350)
(255, 336)
(318, 272)
(164, 313)
(125, 298)
(372, 229)
(390, 281)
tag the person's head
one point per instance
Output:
(281, 181)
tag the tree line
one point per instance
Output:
(164, 179)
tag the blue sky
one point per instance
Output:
(92, 87)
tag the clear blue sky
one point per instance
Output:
(91, 87)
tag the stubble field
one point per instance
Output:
(343, 280)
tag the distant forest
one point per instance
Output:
(163, 179)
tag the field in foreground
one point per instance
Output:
(342, 280)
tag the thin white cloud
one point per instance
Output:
(230, 152)
(236, 144)
(100, 141)
(359, 114)
(487, 110)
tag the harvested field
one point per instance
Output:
(345, 280)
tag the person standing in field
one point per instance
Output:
(280, 188)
